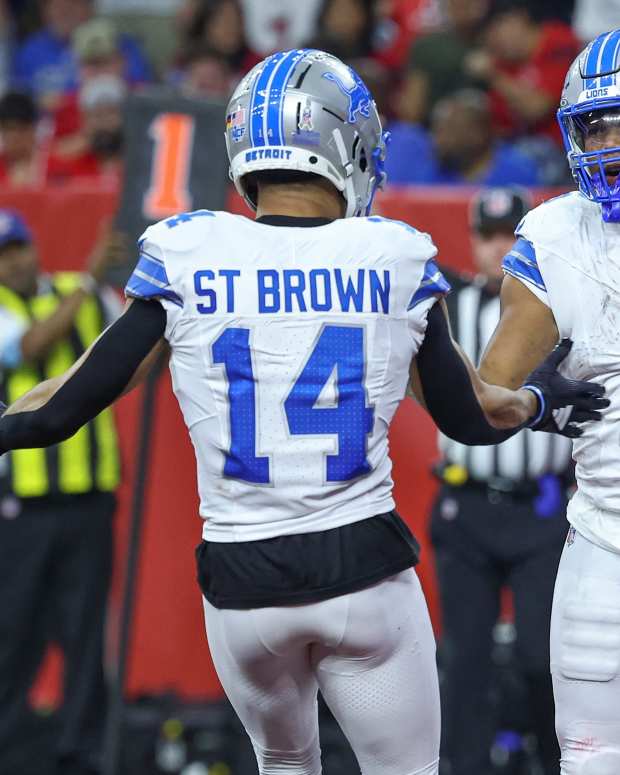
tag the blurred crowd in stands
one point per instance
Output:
(469, 88)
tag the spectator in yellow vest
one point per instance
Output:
(56, 509)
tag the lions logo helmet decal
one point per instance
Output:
(358, 94)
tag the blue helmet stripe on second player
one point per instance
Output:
(608, 58)
(602, 59)
(599, 54)
(521, 262)
(591, 65)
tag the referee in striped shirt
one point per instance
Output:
(498, 521)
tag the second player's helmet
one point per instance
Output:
(306, 110)
(590, 109)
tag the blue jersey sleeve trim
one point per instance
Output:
(433, 284)
(149, 255)
(521, 263)
(150, 280)
(153, 269)
(140, 288)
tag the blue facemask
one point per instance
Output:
(611, 204)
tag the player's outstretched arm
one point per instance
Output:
(527, 333)
(119, 359)
(469, 410)
(445, 382)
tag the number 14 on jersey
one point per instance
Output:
(339, 348)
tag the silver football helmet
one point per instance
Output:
(590, 108)
(306, 110)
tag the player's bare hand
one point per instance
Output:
(564, 403)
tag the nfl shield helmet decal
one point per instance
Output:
(235, 123)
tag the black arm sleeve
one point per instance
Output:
(447, 387)
(96, 384)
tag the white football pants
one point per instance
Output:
(371, 653)
(585, 658)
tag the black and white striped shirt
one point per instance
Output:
(474, 314)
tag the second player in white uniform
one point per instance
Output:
(292, 341)
(567, 255)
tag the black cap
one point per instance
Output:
(498, 209)
(18, 106)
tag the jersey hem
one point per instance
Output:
(241, 533)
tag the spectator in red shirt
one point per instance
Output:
(23, 161)
(96, 153)
(524, 63)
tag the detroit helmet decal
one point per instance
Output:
(359, 96)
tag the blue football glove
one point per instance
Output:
(562, 402)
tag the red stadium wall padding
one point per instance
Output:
(65, 220)
(169, 650)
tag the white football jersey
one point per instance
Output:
(291, 349)
(570, 258)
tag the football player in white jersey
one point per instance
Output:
(563, 279)
(292, 341)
